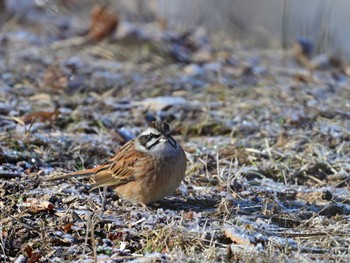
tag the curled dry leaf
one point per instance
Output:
(114, 236)
(35, 205)
(67, 227)
(237, 236)
(123, 235)
(41, 116)
(103, 23)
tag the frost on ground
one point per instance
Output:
(267, 140)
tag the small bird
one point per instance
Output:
(144, 170)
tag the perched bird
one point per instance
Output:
(145, 169)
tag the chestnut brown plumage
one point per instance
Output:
(145, 169)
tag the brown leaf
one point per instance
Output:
(35, 205)
(114, 236)
(236, 236)
(103, 23)
(41, 116)
(33, 255)
(34, 258)
(123, 235)
(28, 250)
(67, 227)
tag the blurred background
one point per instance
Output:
(256, 23)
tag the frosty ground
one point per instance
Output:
(267, 140)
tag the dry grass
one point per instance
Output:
(267, 144)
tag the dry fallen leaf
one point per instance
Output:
(35, 205)
(67, 227)
(103, 23)
(33, 255)
(237, 236)
(41, 116)
(114, 236)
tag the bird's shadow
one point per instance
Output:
(176, 204)
(172, 202)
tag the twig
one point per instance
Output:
(268, 149)
(27, 132)
(93, 241)
(2, 244)
(103, 205)
(70, 42)
(42, 231)
(316, 180)
(87, 233)
(137, 222)
(217, 164)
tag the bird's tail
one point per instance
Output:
(82, 173)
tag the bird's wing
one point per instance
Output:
(120, 169)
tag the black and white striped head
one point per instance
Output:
(156, 137)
